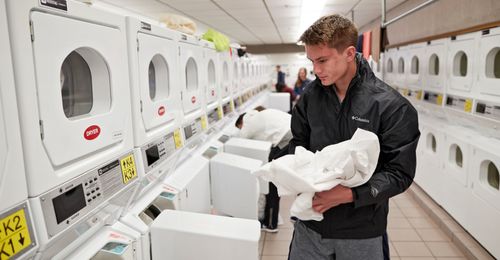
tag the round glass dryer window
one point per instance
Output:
(414, 65)
(493, 63)
(401, 66)
(76, 86)
(211, 73)
(191, 75)
(460, 64)
(225, 72)
(434, 65)
(389, 65)
(158, 78)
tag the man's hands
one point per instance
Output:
(325, 200)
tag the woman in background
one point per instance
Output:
(301, 82)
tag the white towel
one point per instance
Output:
(350, 163)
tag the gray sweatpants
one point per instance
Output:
(307, 245)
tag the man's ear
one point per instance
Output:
(350, 53)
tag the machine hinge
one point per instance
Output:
(181, 95)
(32, 32)
(179, 48)
(137, 40)
(141, 106)
(41, 129)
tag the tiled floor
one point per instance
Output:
(412, 234)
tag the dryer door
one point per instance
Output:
(190, 66)
(236, 79)
(489, 64)
(82, 84)
(212, 90)
(159, 86)
(225, 80)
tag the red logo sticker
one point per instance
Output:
(161, 111)
(92, 132)
(213, 92)
(193, 99)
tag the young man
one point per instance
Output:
(345, 96)
(273, 126)
(281, 75)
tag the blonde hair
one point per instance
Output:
(335, 31)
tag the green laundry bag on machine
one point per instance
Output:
(220, 40)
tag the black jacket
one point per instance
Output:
(319, 120)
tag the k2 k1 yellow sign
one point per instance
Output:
(129, 171)
(15, 234)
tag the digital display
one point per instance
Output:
(68, 203)
(152, 154)
(213, 117)
(226, 108)
(188, 132)
(223, 139)
(210, 152)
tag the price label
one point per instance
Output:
(232, 106)
(177, 139)
(129, 171)
(14, 234)
(468, 105)
(219, 112)
(203, 122)
(419, 94)
(439, 100)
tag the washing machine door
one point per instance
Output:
(190, 61)
(82, 85)
(159, 88)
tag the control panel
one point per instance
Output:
(433, 98)
(66, 204)
(193, 129)
(459, 103)
(214, 116)
(154, 153)
(488, 110)
(227, 108)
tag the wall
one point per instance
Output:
(437, 18)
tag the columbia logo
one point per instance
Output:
(359, 119)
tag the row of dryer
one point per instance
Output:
(97, 110)
(455, 85)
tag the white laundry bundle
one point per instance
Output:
(350, 163)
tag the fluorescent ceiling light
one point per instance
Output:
(310, 11)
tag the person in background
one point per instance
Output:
(285, 89)
(281, 75)
(301, 82)
(273, 126)
(345, 96)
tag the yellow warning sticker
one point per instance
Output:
(468, 105)
(177, 138)
(219, 112)
(232, 106)
(129, 171)
(419, 94)
(439, 100)
(14, 234)
(203, 122)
